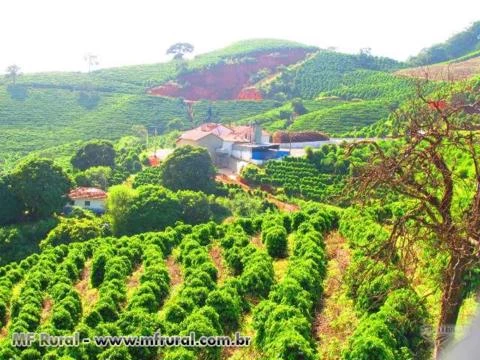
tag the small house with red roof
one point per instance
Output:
(89, 198)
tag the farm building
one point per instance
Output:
(233, 146)
(88, 198)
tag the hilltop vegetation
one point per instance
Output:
(324, 72)
(462, 45)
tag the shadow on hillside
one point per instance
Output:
(17, 92)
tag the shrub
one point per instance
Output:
(30, 354)
(276, 242)
(371, 295)
(180, 354)
(368, 347)
(297, 219)
(98, 268)
(195, 207)
(227, 306)
(289, 344)
(115, 353)
(62, 319)
(74, 230)
(175, 313)
(107, 310)
(257, 276)
(149, 176)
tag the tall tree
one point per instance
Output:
(178, 50)
(147, 208)
(94, 153)
(91, 60)
(443, 203)
(189, 168)
(41, 185)
(120, 200)
(11, 208)
(12, 73)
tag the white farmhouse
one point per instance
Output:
(88, 198)
(233, 146)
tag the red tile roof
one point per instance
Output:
(87, 193)
(240, 133)
(153, 160)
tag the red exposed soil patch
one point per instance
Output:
(153, 161)
(227, 81)
(174, 271)
(250, 93)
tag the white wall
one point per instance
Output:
(227, 147)
(242, 154)
(94, 204)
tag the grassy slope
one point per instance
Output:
(136, 78)
(468, 56)
(271, 120)
(337, 81)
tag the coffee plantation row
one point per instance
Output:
(41, 293)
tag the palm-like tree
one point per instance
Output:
(12, 72)
(91, 60)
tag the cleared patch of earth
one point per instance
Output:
(216, 255)
(174, 271)
(257, 242)
(134, 280)
(335, 318)
(47, 306)
(445, 72)
(88, 294)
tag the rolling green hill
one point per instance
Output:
(355, 99)
(50, 109)
(324, 72)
